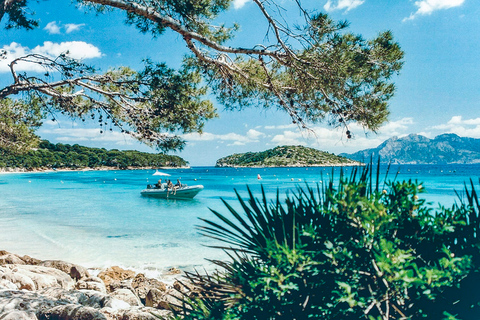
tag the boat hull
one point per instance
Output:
(182, 193)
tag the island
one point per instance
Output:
(286, 156)
(49, 156)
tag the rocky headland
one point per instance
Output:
(32, 289)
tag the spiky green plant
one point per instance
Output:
(358, 249)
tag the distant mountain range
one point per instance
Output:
(417, 149)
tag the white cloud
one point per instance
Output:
(348, 5)
(236, 143)
(426, 7)
(464, 128)
(76, 49)
(281, 127)
(237, 4)
(396, 128)
(236, 139)
(70, 27)
(52, 28)
(254, 134)
(289, 138)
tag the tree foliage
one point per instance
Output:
(65, 156)
(313, 72)
(357, 250)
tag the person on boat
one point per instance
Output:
(178, 184)
(159, 184)
(169, 185)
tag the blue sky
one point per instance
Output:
(438, 89)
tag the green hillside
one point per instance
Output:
(65, 156)
(285, 156)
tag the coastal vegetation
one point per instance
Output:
(361, 248)
(284, 156)
(65, 156)
(290, 71)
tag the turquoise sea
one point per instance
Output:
(99, 218)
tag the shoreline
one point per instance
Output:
(8, 170)
(357, 164)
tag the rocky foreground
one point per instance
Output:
(39, 290)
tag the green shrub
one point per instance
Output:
(354, 250)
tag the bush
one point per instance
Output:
(356, 250)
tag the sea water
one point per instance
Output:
(99, 218)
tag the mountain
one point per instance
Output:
(286, 156)
(417, 149)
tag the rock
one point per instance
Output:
(61, 304)
(91, 283)
(24, 303)
(137, 313)
(127, 296)
(20, 281)
(19, 315)
(115, 273)
(173, 271)
(142, 285)
(75, 271)
(166, 300)
(67, 296)
(45, 291)
(11, 258)
(72, 312)
(35, 277)
(87, 298)
(153, 298)
(117, 284)
(95, 299)
(7, 285)
(116, 304)
(183, 286)
(170, 300)
(31, 261)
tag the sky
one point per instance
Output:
(437, 91)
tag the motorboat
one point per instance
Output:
(183, 192)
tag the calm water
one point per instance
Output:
(99, 218)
